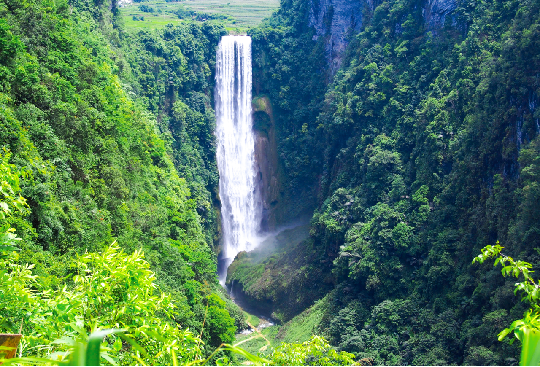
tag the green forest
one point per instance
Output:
(415, 153)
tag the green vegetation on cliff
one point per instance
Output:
(422, 150)
(111, 136)
(108, 207)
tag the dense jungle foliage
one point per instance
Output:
(417, 155)
(107, 137)
(422, 150)
(108, 201)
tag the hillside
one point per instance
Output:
(391, 142)
(417, 148)
(108, 139)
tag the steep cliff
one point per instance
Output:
(423, 149)
(266, 159)
(437, 12)
(337, 20)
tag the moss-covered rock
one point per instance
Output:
(270, 277)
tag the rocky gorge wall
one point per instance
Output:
(266, 160)
(435, 13)
(335, 24)
(434, 141)
(339, 20)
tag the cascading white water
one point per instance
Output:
(241, 208)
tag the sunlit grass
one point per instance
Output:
(241, 14)
(150, 22)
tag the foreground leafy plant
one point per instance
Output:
(11, 202)
(89, 353)
(527, 329)
(314, 352)
(111, 290)
(84, 353)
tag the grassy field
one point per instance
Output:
(237, 15)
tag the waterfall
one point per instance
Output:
(241, 208)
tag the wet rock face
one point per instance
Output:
(436, 11)
(266, 160)
(336, 19)
(267, 178)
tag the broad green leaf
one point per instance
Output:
(109, 359)
(256, 360)
(94, 344)
(530, 349)
(134, 344)
(78, 357)
(28, 360)
(504, 333)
